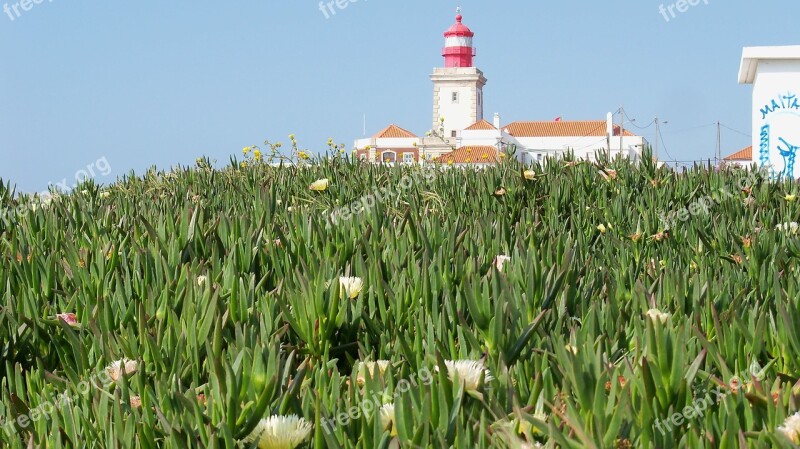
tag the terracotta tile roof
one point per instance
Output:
(475, 154)
(742, 155)
(481, 125)
(394, 132)
(586, 128)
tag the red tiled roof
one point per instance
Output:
(741, 155)
(476, 154)
(481, 125)
(394, 132)
(586, 128)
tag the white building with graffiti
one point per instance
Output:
(774, 73)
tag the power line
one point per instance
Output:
(736, 131)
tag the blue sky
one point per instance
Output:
(161, 83)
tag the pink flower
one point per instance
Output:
(70, 318)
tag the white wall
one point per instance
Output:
(468, 83)
(776, 116)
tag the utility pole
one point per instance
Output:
(621, 126)
(719, 143)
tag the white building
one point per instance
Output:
(774, 73)
(460, 134)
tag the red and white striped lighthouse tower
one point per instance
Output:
(458, 50)
(458, 86)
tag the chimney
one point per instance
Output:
(496, 120)
(610, 125)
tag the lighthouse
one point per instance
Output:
(458, 86)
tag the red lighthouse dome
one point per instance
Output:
(458, 50)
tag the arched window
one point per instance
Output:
(389, 156)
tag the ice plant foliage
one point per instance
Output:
(234, 304)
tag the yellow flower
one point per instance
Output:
(484, 156)
(502, 155)
(291, 136)
(441, 119)
(330, 141)
(790, 198)
(257, 155)
(319, 185)
(450, 162)
(530, 175)
(302, 155)
(243, 164)
(602, 228)
(246, 151)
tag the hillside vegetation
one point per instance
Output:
(572, 305)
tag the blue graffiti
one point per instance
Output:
(763, 151)
(788, 153)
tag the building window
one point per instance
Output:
(388, 156)
(455, 97)
(453, 133)
(408, 158)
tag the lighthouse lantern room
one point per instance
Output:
(458, 50)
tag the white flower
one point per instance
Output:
(791, 428)
(351, 286)
(280, 432)
(202, 280)
(657, 316)
(369, 367)
(387, 419)
(115, 369)
(319, 185)
(105, 194)
(791, 227)
(501, 260)
(468, 371)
